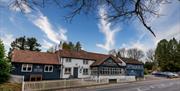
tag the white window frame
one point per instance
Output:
(85, 62)
(94, 71)
(49, 66)
(85, 73)
(68, 60)
(27, 66)
(69, 71)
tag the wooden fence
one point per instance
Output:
(59, 84)
(16, 79)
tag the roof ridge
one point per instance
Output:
(99, 53)
(33, 51)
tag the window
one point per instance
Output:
(85, 71)
(94, 71)
(110, 71)
(68, 60)
(129, 66)
(67, 70)
(26, 68)
(48, 68)
(85, 61)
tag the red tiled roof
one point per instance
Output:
(131, 61)
(25, 56)
(86, 55)
(81, 54)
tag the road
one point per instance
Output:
(153, 85)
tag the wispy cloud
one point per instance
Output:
(41, 21)
(53, 33)
(46, 44)
(165, 27)
(138, 43)
(107, 30)
(4, 3)
(7, 38)
(169, 33)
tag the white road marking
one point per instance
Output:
(138, 89)
(151, 86)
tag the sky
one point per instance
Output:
(96, 35)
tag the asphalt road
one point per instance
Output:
(153, 85)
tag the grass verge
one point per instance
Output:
(10, 87)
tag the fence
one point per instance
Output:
(126, 79)
(16, 79)
(120, 78)
(58, 84)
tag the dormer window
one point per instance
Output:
(68, 60)
(85, 61)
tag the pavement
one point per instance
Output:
(146, 85)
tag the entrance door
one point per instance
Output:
(112, 80)
(35, 77)
(75, 72)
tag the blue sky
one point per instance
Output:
(96, 35)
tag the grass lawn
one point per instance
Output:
(10, 87)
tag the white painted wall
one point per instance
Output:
(75, 63)
(123, 63)
(120, 78)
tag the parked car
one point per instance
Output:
(170, 74)
(165, 74)
(158, 74)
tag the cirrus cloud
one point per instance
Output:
(107, 30)
(41, 21)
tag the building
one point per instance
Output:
(35, 65)
(133, 67)
(82, 64)
(75, 64)
(65, 64)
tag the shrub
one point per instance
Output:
(4, 71)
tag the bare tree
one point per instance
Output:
(113, 52)
(121, 52)
(150, 55)
(118, 10)
(135, 53)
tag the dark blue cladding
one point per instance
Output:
(135, 70)
(37, 69)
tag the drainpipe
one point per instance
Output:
(98, 75)
(60, 62)
(61, 73)
(22, 89)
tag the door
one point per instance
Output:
(35, 77)
(75, 72)
(112, 80)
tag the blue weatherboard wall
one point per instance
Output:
(135, 70)
(55, 75)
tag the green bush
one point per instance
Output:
(146, 72)
(4, 65)
(4, 71)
